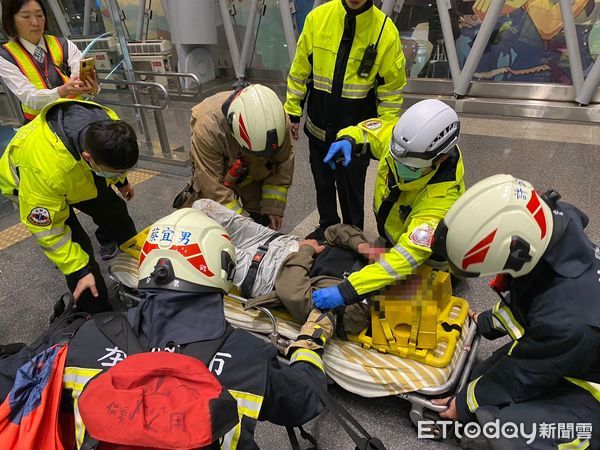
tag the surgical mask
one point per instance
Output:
(103, 174)
(407, 173)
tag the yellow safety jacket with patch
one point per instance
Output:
(39, 170)
(326, 65)
(32, 71)
(408, 221)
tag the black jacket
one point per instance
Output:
(556, 310)
(248, 367)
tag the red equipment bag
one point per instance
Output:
(159, 400)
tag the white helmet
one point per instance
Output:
(187, 251)
(257, 120)
(425, 131)
(500, 225)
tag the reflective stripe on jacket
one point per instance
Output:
(412, 218)
(552, 314)
(47, 178)
(214, 151)
(328, 56)
(247, 367)
(58, 52)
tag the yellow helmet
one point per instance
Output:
(187, 251)
(500, 225)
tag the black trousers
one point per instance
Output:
(350, 184)
(109, 212)
(564, 403)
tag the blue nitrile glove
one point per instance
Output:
(328, 298)
(337, 149)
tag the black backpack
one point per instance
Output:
(62, 328)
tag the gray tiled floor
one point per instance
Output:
(549, 154)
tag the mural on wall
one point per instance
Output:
(528, 43)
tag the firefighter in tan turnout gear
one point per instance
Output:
(242, 156)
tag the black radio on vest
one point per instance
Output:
(368, 60)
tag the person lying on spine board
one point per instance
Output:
(281, 269)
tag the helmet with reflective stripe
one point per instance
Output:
(500, 225)
(426, 131)
(257, 120)
(187, 251)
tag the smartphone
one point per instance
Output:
(86, 68)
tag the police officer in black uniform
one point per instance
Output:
(547, 378)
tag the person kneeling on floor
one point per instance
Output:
(187, 265)
(242, 155)
(547, 278)
(419, 177)
(281, 269)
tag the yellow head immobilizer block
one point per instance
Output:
(414, 318)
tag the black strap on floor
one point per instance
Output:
(362, 439)
(305, 435)
(386, 205)
(261, 251)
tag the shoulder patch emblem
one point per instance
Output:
(39, 216)
(373, 124)
(422, 236)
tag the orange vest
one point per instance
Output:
(31, 69)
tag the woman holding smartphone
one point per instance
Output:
(38, 68)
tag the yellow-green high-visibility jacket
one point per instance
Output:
(39, 169)
(324, 72)
(407, 222)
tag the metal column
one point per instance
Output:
(129, 75)
(443, 6)
(288, 27)
(59, 14)
(566, 12)
(231, 39)
(248, 35)
(139, 29)
(87, 17)
(481, 41)
(590, 85)
(388, 6)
